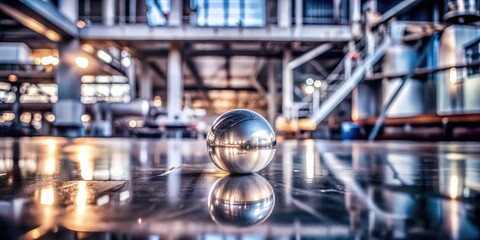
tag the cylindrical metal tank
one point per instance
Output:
(462, 11)
(400, 59)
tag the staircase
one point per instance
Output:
(344, 78)
(343, 88)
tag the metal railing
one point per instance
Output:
(348, 72)
(338, 85)
(237, 13)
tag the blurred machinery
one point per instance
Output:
(104, 114)
(404, 79)
(139, 118)
(388, 69)
(462, 11)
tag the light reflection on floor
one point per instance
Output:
(56, 188)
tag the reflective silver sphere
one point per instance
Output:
(241, 200)
(241, 141)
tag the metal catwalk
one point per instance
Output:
(56, 188)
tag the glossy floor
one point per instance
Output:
(55, 188)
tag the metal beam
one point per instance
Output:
(400, 8)
(419, 72)
(158, 70)
(272, 92)
(113, 68)
(216, 53)
(153, 53)
(340, 33)
(40, 16)
(196, 75)
(195, 89)
(287, 84)
(320, 69)
(310, 55)
(288, 75)
(144, 59)
(257, 66)
(346, 87)
(69, 9)
(336, 71)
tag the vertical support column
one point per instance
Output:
(370, 49)
(131, 75)
(242, 12)
(336, 10)
(68, 109)
(176, 15)
(348, 60)
(226, 12)
(284, 13)
(132, 14)
(122, 17)
(108, 12)
(298, 15)
(369, 37)
(436, 12)
(287, 85)
(316, 99)
(16, 127)
(355, 18)
(272, 93)
(432, 62)
(348, 73)
(69, 9)
(355, 104)
(145, 83)
(174, 82)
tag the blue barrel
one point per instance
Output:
(350, 131)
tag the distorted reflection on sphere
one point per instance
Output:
(241, 141)
(241, 200)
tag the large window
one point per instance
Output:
(105, 88)
(325, 12)
(157, 12)
(229, 13)
(31, 93)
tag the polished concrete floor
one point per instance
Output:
(55, 188)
